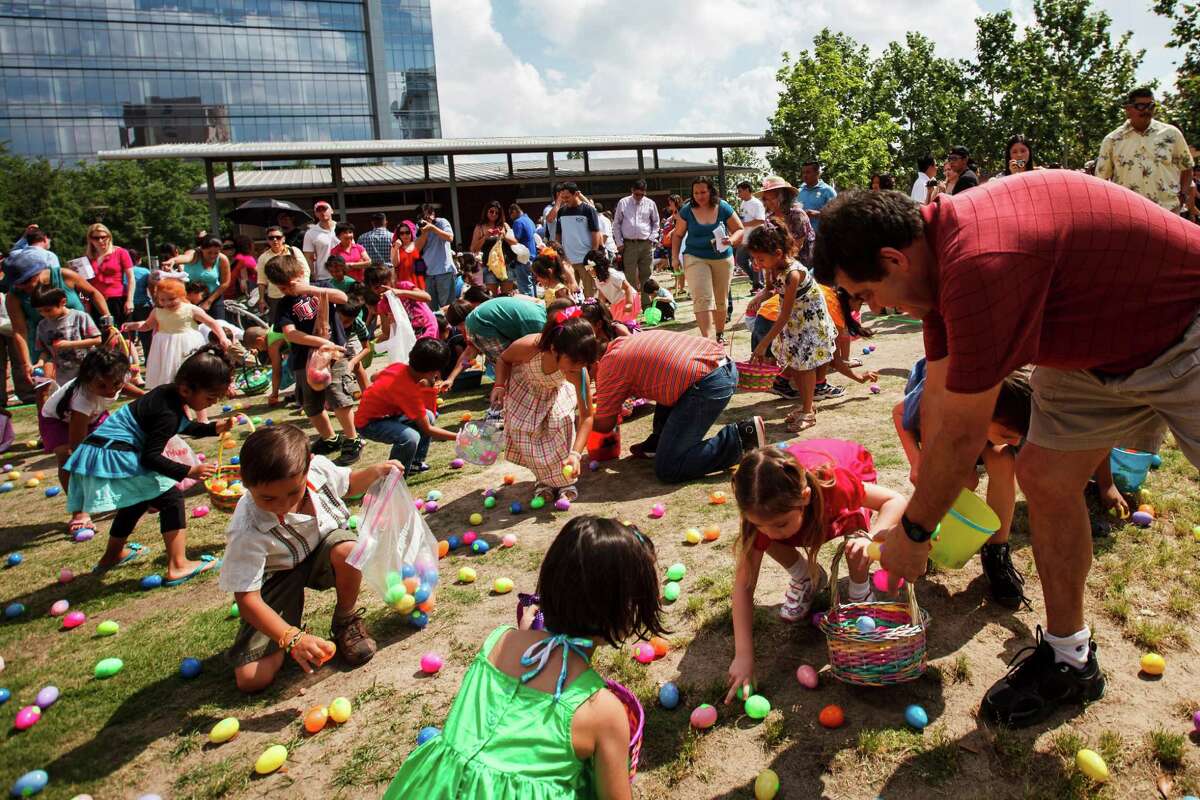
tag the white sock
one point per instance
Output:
(859, 591)
(1071, 649)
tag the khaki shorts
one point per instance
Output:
(284, 593)
(1076, 410)
(708, 281)
(339, 393)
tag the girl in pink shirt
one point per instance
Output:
(354, 253)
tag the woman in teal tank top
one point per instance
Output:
(210, 267)
(19, 301)
(532, 720)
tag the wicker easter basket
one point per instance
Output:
(756, 377)
(253, 381)
(637, 723)
(226, 474)
(894, 652)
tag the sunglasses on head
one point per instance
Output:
(1145, 106)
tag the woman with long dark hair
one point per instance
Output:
(1018, 156)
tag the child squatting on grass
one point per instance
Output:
(290, 532)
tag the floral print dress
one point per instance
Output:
(809, 339)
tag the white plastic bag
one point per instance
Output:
(179, 450)
(402, 337)
(396, 551)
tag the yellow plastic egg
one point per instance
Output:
(874, 551)
(466, 575)
(1153, 664)
(406, 603)
(692, 536)
(502, 585)
(271, 759)
(1092, 765)
(31, 483)
(766, 785)
(477, 518)
(224, 730)
(12, 476)
(339, 710)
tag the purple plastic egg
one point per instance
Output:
(807, 676)
(46, 697)
(85, 535)
(593, 465)
(562, 504)
(875, 388)
(817, 618)
(431, 506)
(1196, 721)
(65, 576)
(1142, 519)
(457, 463)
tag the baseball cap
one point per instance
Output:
(321, 204)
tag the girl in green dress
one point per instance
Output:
(532, 719)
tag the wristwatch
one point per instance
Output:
(917, 533)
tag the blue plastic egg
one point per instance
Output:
(916, 717)
(668, 695)
(151, 582)
(408, 571)
(30, 783)
(427, 733)
(6, 487)
(864, 624)
(421, 594)
(419, 618)
(235, 460)
(431, 577)
(1142, 519)
(14, 559)
(434, 495)
(515, 508)
(189, 668)
(1155, 461)
(479, 547)
(453, 542)
(14, 610)
(5, 694)
(38, 372)
(227, 408)
(53, 491)
(866, 351)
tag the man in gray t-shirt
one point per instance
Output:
(576, 226)
(65, 335)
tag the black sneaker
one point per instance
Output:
(783, 388)
(645, 449)
(324, 447)
(351, 451)
(721, 338)
(827, 391)
(1036, 686)
(752, 433)
(1005, 584)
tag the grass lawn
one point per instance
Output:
(145, 730)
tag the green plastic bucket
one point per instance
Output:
(967, 526)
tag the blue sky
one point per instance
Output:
(561, 67)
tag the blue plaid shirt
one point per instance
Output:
(378, 244)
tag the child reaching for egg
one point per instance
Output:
(792, 502)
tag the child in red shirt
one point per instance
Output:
(400, 406)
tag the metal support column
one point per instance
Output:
(550, 171)
(587, 163)
(641, 164)
(425, 160)
(655, 159)
(721, 169)
(453, 196)
(229, 175)
(214, 219)
(335, 168)
(510, 166)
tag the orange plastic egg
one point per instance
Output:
(443, 548)
(315, 719)
(411, 584)
(328, 655)
(712, 533)
(1146, 508)
(660, 645)
(718, 498)
(509, 480)
(832, 717)
(427, 606)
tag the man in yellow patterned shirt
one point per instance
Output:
(1150, 157)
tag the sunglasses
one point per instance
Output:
(954, 158)
(274, 238)
(99, 238)
(1143, 106)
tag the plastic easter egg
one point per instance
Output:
(30, 783)
(73, 619)
(479, 547)
(692, 536)
(419, 504)
(108, 628)
(489, 502)
(433, 494)
(1153, 664)
(871, 347)
(562, 504)
(675, 572)
(6, 487)
(1141, 519)
(712, 533)
(27, 717)
(1196, 721)
(13, 475)
(5, 696)
(108, 667)
(453, 541)
(537, 502)
(218, 486)
(704, 716)
(1155, 461)
(46, 697)
(874, 387)
(671, 591)
(271, 759)
(85, 534)
(405, 603)
(339, 710)
(189, 668)
(1196, 532)
(151, 582)
(744, 692)
(508, 540)
(431, 663)
(668, 695)
(509, 480)
(832, 716)
(1146, 508)
(916, 717)
(879, 579)
(431, 506)
(865, 624)
(1092, 765)
(643, 653)
(315, 719)
(866, 351)
(718, 498)
(661, 646)
(53, 491)
(234, 612)
(200, 511)
(875, 551)
(476, 518)
(8, 467)
(14, 559)
(593, 465)
(757, 706)
(466, 575)
(59, 607)
(427, 733)
(443, 548)
(807, 676)
(14, 610)
(32, 483)
(657, 510)
(515, 507)
(766, 785)
(502, 585)
(419, 619)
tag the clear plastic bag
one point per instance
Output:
(318, 372)
(402, 337)
(396, 552)
(481, 442)
(179, 450)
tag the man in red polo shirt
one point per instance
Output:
(1096, 286)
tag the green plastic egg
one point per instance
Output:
(393, 595)
(489, 502)
(675, 572)
(766, 785)
(671, 592)
(234, 612)
(394, 578)
(537, 502)
(757, 706)
(107, 628)
(352, 523)
(108, 667)
(742, 694)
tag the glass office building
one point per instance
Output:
(79, 76)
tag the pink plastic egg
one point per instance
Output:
(59, 608)
(643, 652)
(66, 576)
(562, 504)
(704, 716)
(200, 511)
(508, 540)
(431, 663)
(73, 620)
(879, 579)
(657, 510)
(817, 618)
(419, 503)
(469, 537)
(457, 463)
(874, 388)
(27, 717)
(201, 457)
(807, 676)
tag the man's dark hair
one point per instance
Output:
(856, 225)
(558, 187)
(428, 355)
(379, 218)
(745, 185)
(568, 186)
(427, 209)
(274, 453)
(513, 208)
(957, 150)
(36, 237)
(273, 229)
(1141, 91)
(638, 184)
(816, 164)
(925, 162)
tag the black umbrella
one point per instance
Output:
(264, 211)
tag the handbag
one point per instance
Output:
(419, 267)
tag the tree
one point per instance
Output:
(741, 157)
(1184, 102)
(823, 114)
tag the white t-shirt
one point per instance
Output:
(319, 242)
(919, 192)
(82, 402)
(752, 209)
(232, 332)
(259, 544)
(606, 233)
(613, 289)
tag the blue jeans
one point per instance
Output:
(441, 289)
(522, 277)
(762, 326)
(681, 452)
(409, 445)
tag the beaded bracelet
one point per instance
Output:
(283, 637)
(294, 641)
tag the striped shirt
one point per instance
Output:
(657, 365)
(259, 543)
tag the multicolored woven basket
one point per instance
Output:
(637, 723)
(225, 474)
(894, 652)
(756, 377)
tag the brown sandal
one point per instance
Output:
(800, 422)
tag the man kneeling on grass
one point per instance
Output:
(291, 531)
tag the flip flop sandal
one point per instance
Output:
(135, 550)
(207, 564)
(801, 423)
(569, 493)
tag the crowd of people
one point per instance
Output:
(1016, 277)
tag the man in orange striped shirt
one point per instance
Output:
(691, 380)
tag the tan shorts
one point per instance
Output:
(1076, 410)
(708, 281)
(339, 393)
